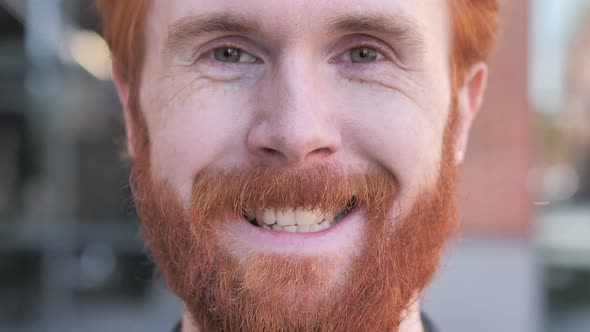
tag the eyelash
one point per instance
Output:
(366, 41)
(372, 46)
(208, 55)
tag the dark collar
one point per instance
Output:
(428, 326)
(427, 323)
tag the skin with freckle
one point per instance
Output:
(236, 107)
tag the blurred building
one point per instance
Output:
(575, 115)
(490, 279)
(71, 256)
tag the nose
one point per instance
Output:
(295, 122)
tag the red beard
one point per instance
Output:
(270, 292)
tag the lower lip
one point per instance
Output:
(330, 240)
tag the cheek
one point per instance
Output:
(193, 131)
(397, 133)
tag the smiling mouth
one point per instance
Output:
(299, 220)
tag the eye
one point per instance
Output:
(231, 55)
(364, 55)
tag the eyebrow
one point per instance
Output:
(187, 27)
(395, 26)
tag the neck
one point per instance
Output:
(411, 323)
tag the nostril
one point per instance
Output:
(317, 153)
(321, 152)
(271, 152)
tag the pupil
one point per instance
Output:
(363, 55)
(227, 54)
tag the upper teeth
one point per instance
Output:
(305, 220)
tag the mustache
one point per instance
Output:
(328, 187)
(223, 293)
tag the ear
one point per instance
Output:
(123, 90)
(469, 101)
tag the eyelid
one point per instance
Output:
(346, 53)
(205, 50)
(360, 41)
(211, 55)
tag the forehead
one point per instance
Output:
(308, 18)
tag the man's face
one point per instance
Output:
(300, 154)
(297, 95)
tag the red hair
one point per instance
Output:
(122, 24)
(473, 24)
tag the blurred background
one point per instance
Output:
(72, 258)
